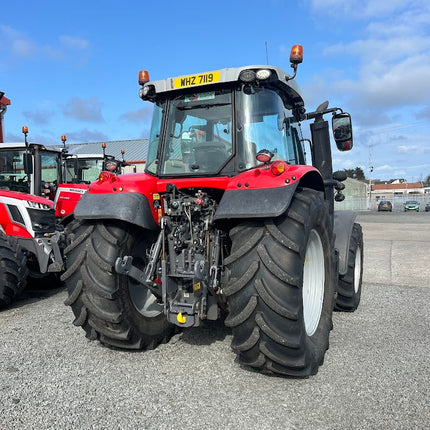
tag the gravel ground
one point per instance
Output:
(376, 372)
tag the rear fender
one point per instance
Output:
(133, 208)
(257, 203)
(343, 224)
(264, 202)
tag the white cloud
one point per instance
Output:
(138, 115)
(73, 42)
(424, 113)
(365, 9)
(383, 168)
(17, 43)
(39, 116)
(84, 109)
(86, 135)
(389, 65)
(19, 46)
(414, 149)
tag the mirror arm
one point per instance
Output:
(319, 114)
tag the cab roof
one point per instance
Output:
(228, 75)
(21, 145)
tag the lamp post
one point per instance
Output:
(369, 200)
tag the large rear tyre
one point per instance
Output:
(281, 288)
(13, 270)
(111, 307)
(349, 286)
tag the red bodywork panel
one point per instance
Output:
(9, 227)
(26, 197)
(67, 197)
(143, 183)
(16, 198)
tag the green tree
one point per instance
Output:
(356, 173)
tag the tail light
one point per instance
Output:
(106, 176)
(277, 168)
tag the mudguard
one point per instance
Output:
(129, 207)
(343, 224)
(255, 203)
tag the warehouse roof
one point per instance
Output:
(135, 150)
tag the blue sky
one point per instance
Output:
(71, 67)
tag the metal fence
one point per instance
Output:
(363, 204)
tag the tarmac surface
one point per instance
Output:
(376, 373)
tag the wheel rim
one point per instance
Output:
(313, 283)
(144, 301)
(142, 298)
(357, 270)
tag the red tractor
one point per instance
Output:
(30, 239)
(226, 219)
(79, 170)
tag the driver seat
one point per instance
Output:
(210, 156)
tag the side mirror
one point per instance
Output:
(75, 166)
(28, 163)
(342, 131)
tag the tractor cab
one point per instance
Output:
(29, 168)
(219, 129)
(225, 122)
(86, 168)
(79, 170)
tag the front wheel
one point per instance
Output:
(111, 307)
(281, 288)
(13, 270)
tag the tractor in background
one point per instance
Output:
(79, 170)
(30, 239)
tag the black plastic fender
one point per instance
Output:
(255, 203)
(129, 207)
(343, 223)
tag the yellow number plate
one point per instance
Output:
(193, 80)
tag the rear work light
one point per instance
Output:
(263, 74)
(247, 76)
(264, 156)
